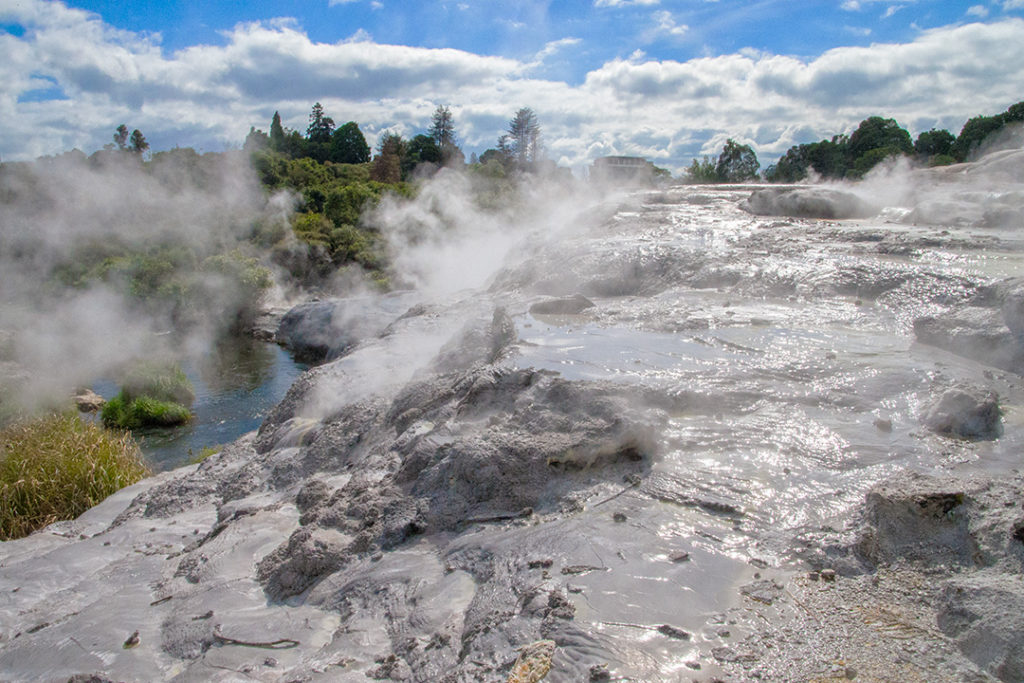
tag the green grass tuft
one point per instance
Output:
(143, 412)
(153, 395)
(160, 381)
(56, 467)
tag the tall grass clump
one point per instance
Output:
(56, 467)
(153, 395)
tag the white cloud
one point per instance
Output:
(1013, 4)
(624, 3)
(207, 96)
(360, 36)
(666, 24)
(891, 10)
(555, 46)
(861, 31)
(979, 11)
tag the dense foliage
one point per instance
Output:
(877, 139)
(56, 467)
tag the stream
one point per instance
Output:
(236, 383)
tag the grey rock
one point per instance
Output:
(979, 333)
(918, 518)
(323, 330)
(565, 306)
(807, 202)
(966, 412)
(984, 614)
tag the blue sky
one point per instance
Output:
(669, 80)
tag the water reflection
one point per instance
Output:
(240, 364)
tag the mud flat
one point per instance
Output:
(684, 442)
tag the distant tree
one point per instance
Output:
(869, 159)
(256, 140)
(320, 126)
(391, 143)
(387, 165)
(422, 149)
(442, 131)
(933, 142)
(522, 144)
(875, 133)
(121, 137)
(737, 163)
(830, 158)
(138, 142)
(276, 133)
(973, 133)
(1014, 113)
(702, 171)
(294, 145)
(791, 166)
(474, 159)
(493, 154)
(348, 146)
(442, 128)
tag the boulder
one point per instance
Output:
(807, 202)
(324, 330)
(920, 519)
(88, 401)
(570, 305)
(966, 412)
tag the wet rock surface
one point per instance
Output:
(748, 460)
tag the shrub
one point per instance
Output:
(57, 467)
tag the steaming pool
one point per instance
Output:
(236, 383)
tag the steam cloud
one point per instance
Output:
(54, 210)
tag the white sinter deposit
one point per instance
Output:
(680, 441)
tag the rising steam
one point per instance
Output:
(63, 326)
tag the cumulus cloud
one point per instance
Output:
(207, 96)
(979, 11)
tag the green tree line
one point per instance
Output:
(851, 156)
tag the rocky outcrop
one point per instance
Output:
(807, 202)
(963, 534)
(323, 330)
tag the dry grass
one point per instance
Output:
(57, 467)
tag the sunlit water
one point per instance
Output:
(236, 384)
(786, 397)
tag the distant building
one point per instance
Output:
(622, 171)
